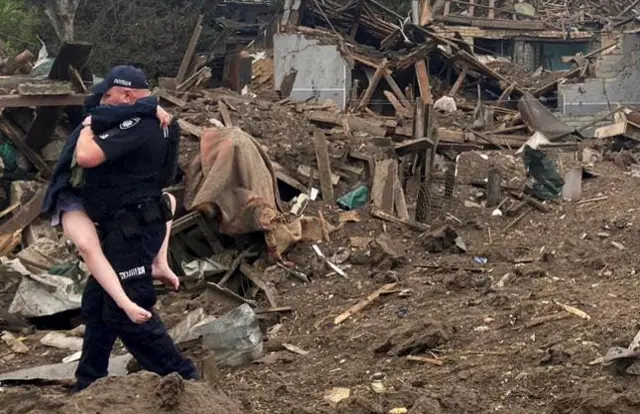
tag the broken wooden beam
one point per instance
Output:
(412, 146)
(188, 55)
(48, 89)
(224, 113)
(286, 86)
(312, 174)
(373, 84)
(399, 108)
(16, 136)
(397, 91)
(25, 215)
(19, 101)
(413, 225)
(189, 128)
(382, 192)
(494, 193)
(268, 291)
(423, 81)
(458, 84)
(358, 307)
(372, 127)
(324, 166)
(399, 200)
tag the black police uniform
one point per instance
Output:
(124, 197)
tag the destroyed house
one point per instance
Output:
(533, 34)
(364, 56)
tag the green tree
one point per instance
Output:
(18, 25)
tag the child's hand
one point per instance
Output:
(164, 117)
(136, 313)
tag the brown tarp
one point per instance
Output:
(540, 119)
(233, 180)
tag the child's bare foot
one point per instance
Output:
(164, 274)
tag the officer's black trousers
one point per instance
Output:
(149, 343)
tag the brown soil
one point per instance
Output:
(147, 393)
(474, 318)
(140, 393)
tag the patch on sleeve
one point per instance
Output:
(129, 123)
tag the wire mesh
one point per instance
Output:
(435, 194)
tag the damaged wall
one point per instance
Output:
(322, 71)
(616, 82)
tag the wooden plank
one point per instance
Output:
(224, 113)
(400, 202)
(18, 101)
(373, 84)
(492, 12)
(398, 92)
(172, 99)
(50, 89)
(423, 81)
(554, 84)
(231, 294)
(447, 8)
(16, 136)
(286, 86)
(425, 13)
(412, 146)
(389, 194)
(194, 80)
(74, 54)
(214, 242)
(411, 224)
(183, 223)
(374, 128)
(523, 25)
(400, 110)
(418, 120)
(458, 84)
(312, 174)
(324, 166)
(381, 192)
(251, 275)
(188, 55)
(494, 193)
(429, 120)
(472, 8)
(77, 83)
(25, 215)
(189, 128)
(356, 19)
(290, 181)
(504, 97)
(358, 307)
(12, 82)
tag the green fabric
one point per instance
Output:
(548, 183)
(77, 173)
(355, 199)
(9, 155)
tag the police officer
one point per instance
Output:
(122, 194)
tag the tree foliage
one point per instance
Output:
(18, 26)
(150, 34)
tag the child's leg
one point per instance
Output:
(160, 268)
(79, 228)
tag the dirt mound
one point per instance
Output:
(145, 392)
(598, 402)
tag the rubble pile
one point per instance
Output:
(441, 219)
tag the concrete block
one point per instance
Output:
(322, 71)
